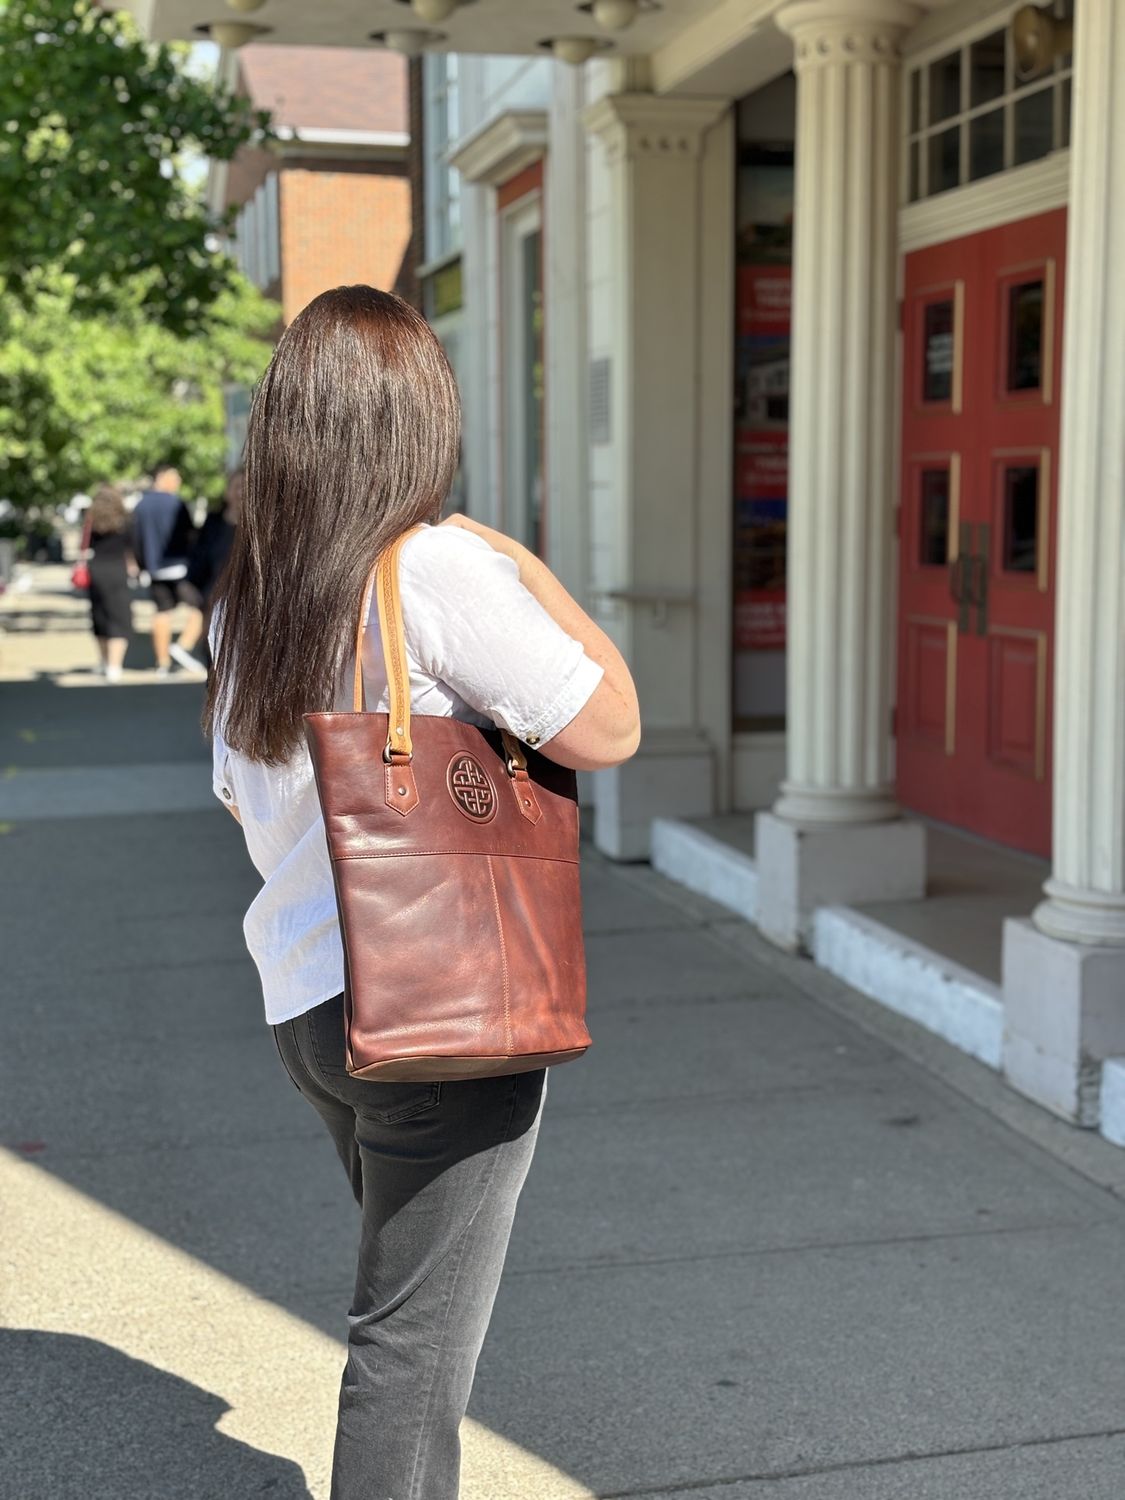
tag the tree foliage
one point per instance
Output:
(96, 399)
(92, 122)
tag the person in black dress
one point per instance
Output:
(111, 562)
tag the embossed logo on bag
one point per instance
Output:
(470, 788)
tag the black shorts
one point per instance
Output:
(168, 592)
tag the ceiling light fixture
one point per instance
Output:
(232, 34)
(245, 6)
(408, 42)
(575, 49)
(434, 12)
(616, 15)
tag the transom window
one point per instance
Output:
(968, 116)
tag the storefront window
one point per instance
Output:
(761, 460)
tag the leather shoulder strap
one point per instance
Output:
(384, 580)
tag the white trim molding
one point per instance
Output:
(1034, 189)
(316, 135)
(505, 146)
(632, 125)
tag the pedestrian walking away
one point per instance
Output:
(110, 562)
(163, 536)
(216, 538)
(352, 442)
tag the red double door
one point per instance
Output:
(982, 345)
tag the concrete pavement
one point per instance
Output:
(776, 1244)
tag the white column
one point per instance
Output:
(564, 217)
(1064, 972)
(655, 205)
(835, 832)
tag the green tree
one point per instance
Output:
(93, 399)
(92, 123)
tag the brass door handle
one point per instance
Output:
(979, 583)
(958, 569)
(960, 576)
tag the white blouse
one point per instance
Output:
(481, 649)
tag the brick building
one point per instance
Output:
(329, 202)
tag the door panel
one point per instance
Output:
(982, 327)
(929, 711)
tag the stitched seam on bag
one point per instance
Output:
(506, 981)
(549, 859)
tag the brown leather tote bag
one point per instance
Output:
(455, 860)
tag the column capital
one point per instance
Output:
(826, 31)
(635, 125)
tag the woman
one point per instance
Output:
(111, 563)
(353, 439)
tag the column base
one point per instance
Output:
(1064, 1014)
(802, 868)
(1081, 916)
(671, 776)
(803, 804)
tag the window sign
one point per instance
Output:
(938, 345)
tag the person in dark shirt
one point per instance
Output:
(216, 538)
(163, 536)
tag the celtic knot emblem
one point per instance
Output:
(470, 788)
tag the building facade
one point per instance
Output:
(329, 202)
(788, 332)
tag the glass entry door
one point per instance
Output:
(982, 329)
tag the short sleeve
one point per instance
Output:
(472, 624)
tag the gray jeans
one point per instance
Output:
(436, 1169)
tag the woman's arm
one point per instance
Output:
(607, 730)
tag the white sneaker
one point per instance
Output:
(113, 674)
(164, 671)
(184, 659)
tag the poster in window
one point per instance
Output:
(763, 298)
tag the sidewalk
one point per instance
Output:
(777, 1243)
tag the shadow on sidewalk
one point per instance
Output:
(82, 1421)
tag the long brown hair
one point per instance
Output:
(107, 513)
(353, 437)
